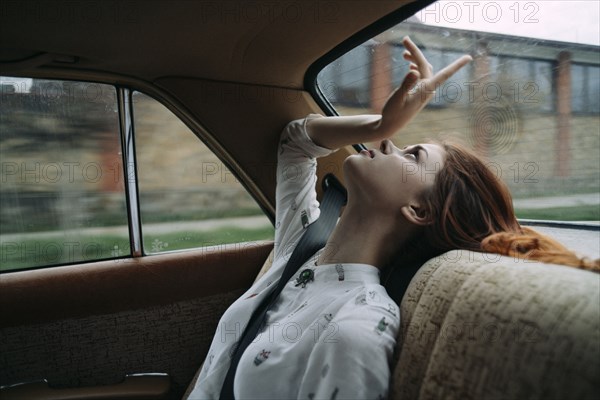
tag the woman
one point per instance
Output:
(334, 336)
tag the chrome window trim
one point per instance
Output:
(125, 105)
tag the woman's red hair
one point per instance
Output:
(472, 209)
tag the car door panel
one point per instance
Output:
(93, 324)
(143, 386)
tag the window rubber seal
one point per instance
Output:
(125, 104)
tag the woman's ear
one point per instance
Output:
(416, 214)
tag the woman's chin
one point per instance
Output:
(354, 164)
(352, 170)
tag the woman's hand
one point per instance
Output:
(416, 90)
(405, 102)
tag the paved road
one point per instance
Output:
(559, 201)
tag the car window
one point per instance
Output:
(61, 194)
(529, 102)
(188, 197)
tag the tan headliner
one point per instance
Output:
(266, 42)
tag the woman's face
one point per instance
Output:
(389, 177)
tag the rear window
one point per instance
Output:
(529, 102)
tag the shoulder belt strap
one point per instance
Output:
(314, 239)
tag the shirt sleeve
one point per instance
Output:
(353, 360)
(296, 200)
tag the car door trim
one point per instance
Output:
(124, 100)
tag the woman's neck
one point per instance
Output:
(366, 237)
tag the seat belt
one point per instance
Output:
(312, 240)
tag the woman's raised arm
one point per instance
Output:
(405, 102)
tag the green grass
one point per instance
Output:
(579, 213)
(54, 251)
(30, 253)
(186, 240)
(200, 215)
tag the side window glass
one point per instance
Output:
(188, 198)
(61, 194)
(529, 102)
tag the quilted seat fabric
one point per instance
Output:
(484, 326)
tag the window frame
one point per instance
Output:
(84, 80)
(124, 89)
(134, 222)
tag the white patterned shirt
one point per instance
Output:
(332, 338)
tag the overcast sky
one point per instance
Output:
(566, 21)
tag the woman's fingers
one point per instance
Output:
(414, 54)
(409, 57)
(420, 63)
(410, 80)
(444, 74)
(399, 95)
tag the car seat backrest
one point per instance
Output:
(477, 325)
